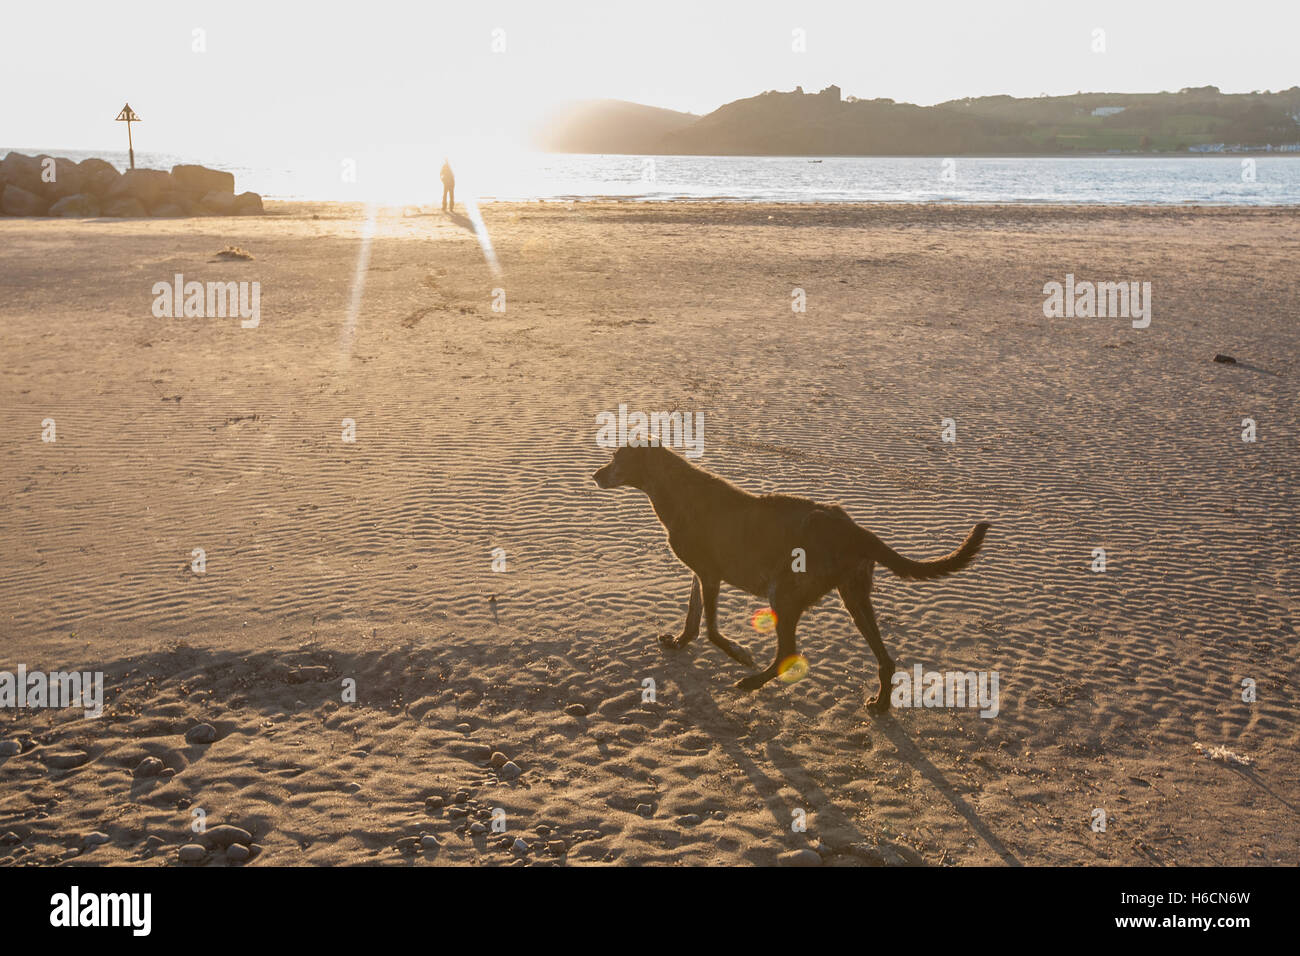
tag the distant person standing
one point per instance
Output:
(448, 187)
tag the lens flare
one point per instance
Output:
(793, 668)
(763, 621)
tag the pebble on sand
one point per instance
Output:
(201, 734)
(238, 852)
(498, 760)
(690, 820)
(149, 767)
(645, 810)
(576, 710)
(510, 770)
(519, 846)
(434, 803)
(10, 839)
(477, 828)
(558, 847)
(95, 838)
(225, 835)
(191, 853)
(430, 842)
(67, 760)
(803, 857)
(10, 748)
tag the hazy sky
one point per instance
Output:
(278, 77)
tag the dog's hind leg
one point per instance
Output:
(692, 626)
(855, 592)
(734, 651)
(787, 618)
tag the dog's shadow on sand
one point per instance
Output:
(698, 692)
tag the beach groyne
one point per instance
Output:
(54, 186)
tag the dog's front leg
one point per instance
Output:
(787, 619)
(734, 651)
(692, 626)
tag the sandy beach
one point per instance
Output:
(331, 564)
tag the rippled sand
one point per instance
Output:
(475, 430)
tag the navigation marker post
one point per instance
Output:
(128, 116)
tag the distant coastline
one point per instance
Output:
(826, 123)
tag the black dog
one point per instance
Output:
(755, 543)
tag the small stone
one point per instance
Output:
(352, 787)
(690, 820)
(310, 674)
(645, 810)
(154, 842)
(510, 770)
(477, 828)
(10, 748)
(462, 796)
(191, 853)
(433, 803)
(430, 842)
(576, 710)
(238, 852)
(457, 812)
(519, 846)
(1225, 359)
(10, 839)
(463, 728)
(498, 760)
(800, 858)
(201, 734)
(558, 847)
(149, 767)
(225, 835)
(542, 830)
(95, 838)
(408, 844)
(67, 760)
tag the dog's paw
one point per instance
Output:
(741, 655)
(675, 640)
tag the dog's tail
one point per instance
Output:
(907, 568)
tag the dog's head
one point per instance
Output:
(631, 466)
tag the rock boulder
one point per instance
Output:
(17, 201)
(248, 204)
(79, 206)
(198, 181)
